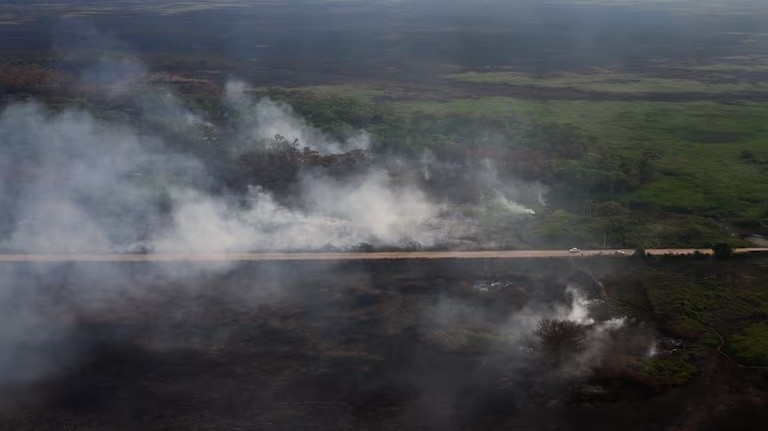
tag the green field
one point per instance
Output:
(729, 301)
(614, 82)
(712, 158)
(665, 149)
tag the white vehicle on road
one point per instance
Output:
(574, 250)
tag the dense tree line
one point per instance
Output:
(278, 165)
(19, 77)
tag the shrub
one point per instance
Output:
(722, 251)
(667, 371)
(558, 339)
(751, 344)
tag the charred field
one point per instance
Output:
(132, 127)
(367, 345)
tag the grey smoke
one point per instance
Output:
(75, 181)
(90, 185)
(513, 333)
(259, 120)
(35, 332)
(507, 194)
(388, 212)
(116, 76)
(93, 185)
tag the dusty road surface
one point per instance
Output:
(234, 257)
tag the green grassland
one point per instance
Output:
(701, 303)
(740, 64)
(751, 344)
(706, 304)
(610, 82)
(712, 157)
(702, 169)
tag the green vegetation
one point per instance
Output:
(462, 340)
(635, 172)
(671, 170)
(699, 305)
(635, 229)
(667, 371)
(700, 168)
(693, 300)
(722, 251)
(670, 152)
(750, 345)
(739, 64)
(558, 340)
(609, 82)
(354, 92)
(336, 110)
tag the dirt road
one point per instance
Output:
(234, 257)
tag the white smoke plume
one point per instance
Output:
(74, 181)
(578, 311)
(385, 211)
(513, 334)
(260, 120)
(88, 185)
(504, 194)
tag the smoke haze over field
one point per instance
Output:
(80, 184)
(260, 120)
(55, 316)
(77, 182)
(370, 215)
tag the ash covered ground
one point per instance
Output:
(365, 345)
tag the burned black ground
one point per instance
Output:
(351, 346)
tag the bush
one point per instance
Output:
(558, 339)
(699, 255)
(667, 371)
(751, 344)
(746, 155)
(364, 247)
(722, 251)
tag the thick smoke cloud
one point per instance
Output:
(387, 212)
(78, 183)
(76, 180)
(119, 181)
(82, 184)
(122, 182)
